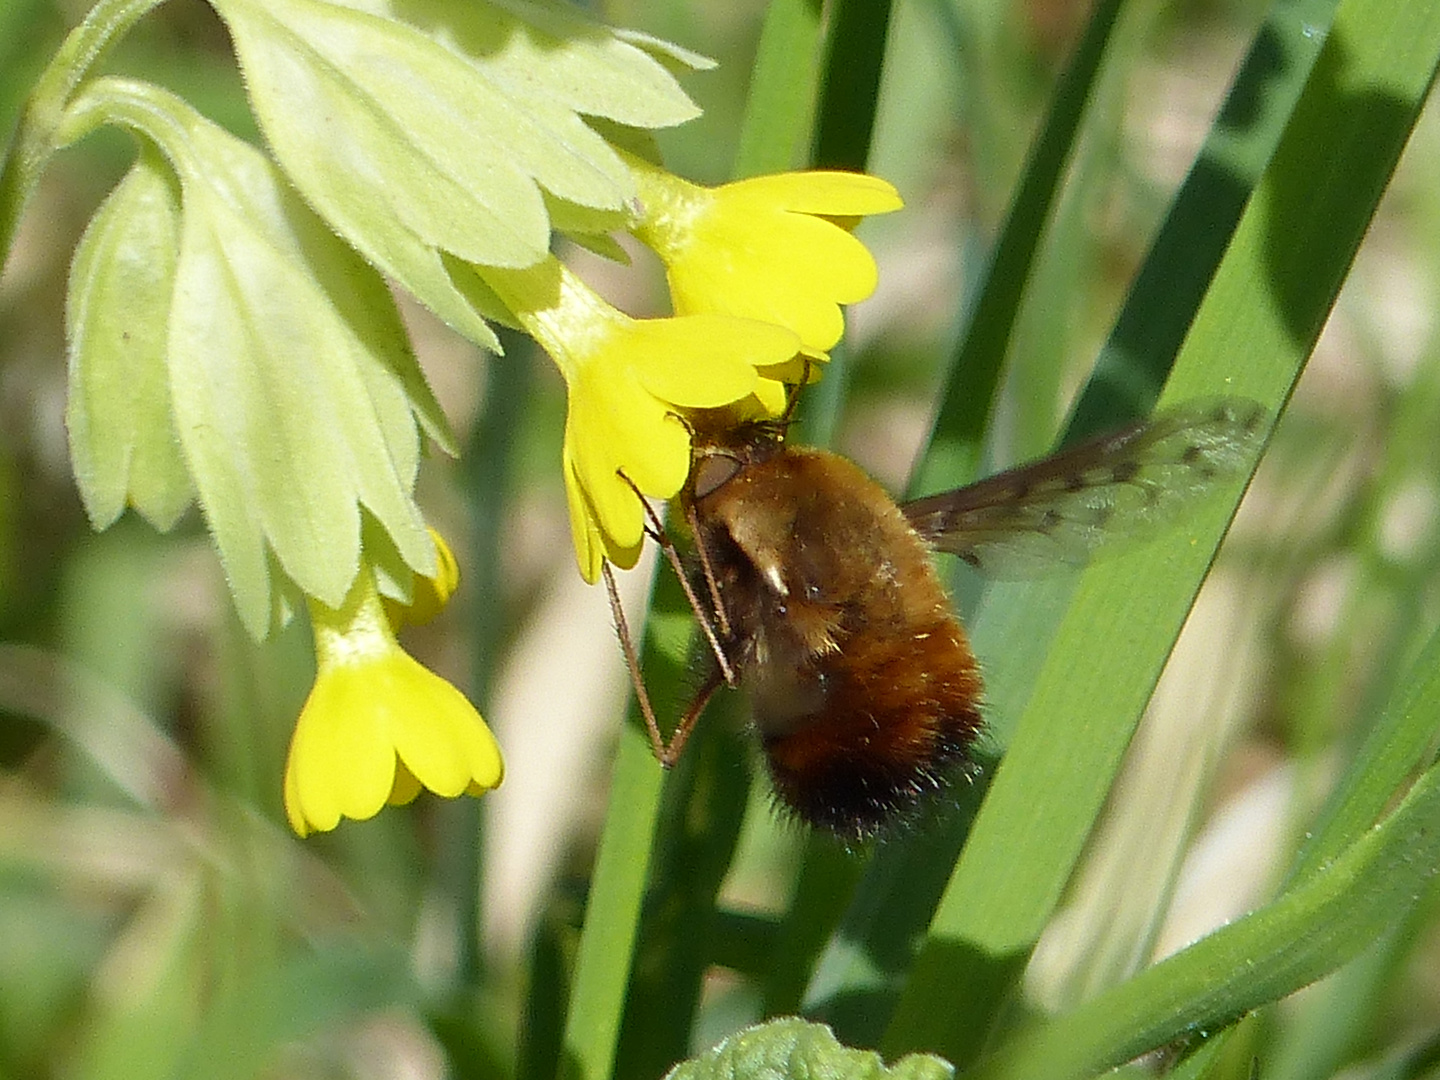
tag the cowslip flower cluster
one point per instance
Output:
(234, 344)
(758, 270)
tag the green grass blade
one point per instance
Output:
(1395, 747)
(953, 456)
(1177, 270)
(700, 819)
(1342, 1019)
(1309, 932)
(612, 916)
(846, 119)
(783, 87)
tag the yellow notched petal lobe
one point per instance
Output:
(773, 396)
(449, 750)
(592, 547)
(584, 533)
(705, 361)
(774, 266)
(823, 192)
(428, 595)
(406, 787)
(613, 428)
(341, 764)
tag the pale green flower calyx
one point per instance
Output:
(378, 726)
(630, 381)
(264, 365)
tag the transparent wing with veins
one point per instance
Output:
(1125, 485)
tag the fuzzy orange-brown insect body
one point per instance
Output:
(817, 594)
(864, 691)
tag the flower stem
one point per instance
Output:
(34, 140)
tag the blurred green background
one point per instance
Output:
(158, 919)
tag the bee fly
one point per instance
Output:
(819, 597)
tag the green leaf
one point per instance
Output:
(123, 442)
(554, 55)
(618, 882)
(795, 1048)
(411, 144)
(294, 390)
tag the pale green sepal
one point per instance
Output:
(394, 579)
(478, 294)
(284, 349)
(591, 229)
(123, 444)
(399, 140)
(570, 218)
(554, 52)
(794, 1049)
(288, 365)
(677, 55)
(602, 244)
(634, 141)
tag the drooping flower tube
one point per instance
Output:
(777, 248)
(378, 726)
(630, 382)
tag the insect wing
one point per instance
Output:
(1059, 510)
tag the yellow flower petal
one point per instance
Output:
(428, 595)
(589, 546)
(378, 725)
(823, 192)
(630, 382)
(702, 361)
(773, 248)
(406, 786)
(772, 395)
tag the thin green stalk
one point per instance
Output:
(783, 86)
(778, 115)
(34, 140)
(851, 89)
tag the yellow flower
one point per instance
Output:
(775, 248)
(629, 382)
(378, 726)
(428, 595)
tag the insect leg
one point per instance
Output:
(627, 644)
(708, 570)
(667, 753)
(656, 529)
(681, 734)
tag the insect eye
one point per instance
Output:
(712, 472)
